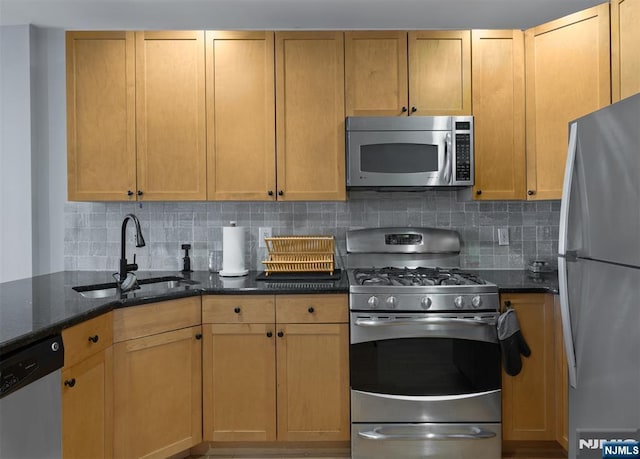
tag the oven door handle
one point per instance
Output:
(360, 322)
(448, 153)
(475, 433)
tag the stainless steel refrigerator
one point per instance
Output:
(599, 273)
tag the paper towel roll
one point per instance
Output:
(233, 238)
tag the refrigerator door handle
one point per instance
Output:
(567, 332)
(566, 188)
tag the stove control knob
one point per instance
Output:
(459, 302)
(476, 301)
(392, 301)
(373, 301)
(425, 302)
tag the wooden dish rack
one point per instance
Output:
(288, 254)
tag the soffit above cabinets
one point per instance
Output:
(287, 14)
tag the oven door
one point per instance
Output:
(404, 441)
(434, 367)
(399, 158)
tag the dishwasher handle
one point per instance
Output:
(30, 363)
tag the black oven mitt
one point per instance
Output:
(512, 343)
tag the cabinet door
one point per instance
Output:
(101, 155)
(170, 115)
(241, 159)
(440, 72)
(87, 407)
(498, 110)
(528, 399)
(567, 76)
(376, 81)
(310, 116)
(239, 382)
(158, 394)
(313, 382)
(625, 43)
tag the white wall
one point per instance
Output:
(15, 154)
(48, 148)
(32, 151)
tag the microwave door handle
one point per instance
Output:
(446, 175)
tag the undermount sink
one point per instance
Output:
(111, 289)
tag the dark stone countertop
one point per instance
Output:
(521, 281)
(34, 308)
(37, 307)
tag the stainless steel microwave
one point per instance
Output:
(413, 151)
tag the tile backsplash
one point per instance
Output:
(92, 230)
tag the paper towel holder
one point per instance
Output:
(240, 270)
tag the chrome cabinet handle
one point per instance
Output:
(475, 433)
(425, 321)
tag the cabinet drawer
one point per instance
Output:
(312, 309)
(88, 338)
(232, 309)
(150, 319)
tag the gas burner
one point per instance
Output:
(415, 277)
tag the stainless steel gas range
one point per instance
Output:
(424, 353)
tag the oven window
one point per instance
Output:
(403, 158)
(425, 366)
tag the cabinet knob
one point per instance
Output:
(280, 334)
(237, 310)
(270, 192)
(414, 109)
(478, 192)
(280, 193)
(404, 109)
(269, 334)
(198, 335)
(94, 338)
(70, 382)
(140, 193)
(531, 192)
(311, 310)
(129, 193)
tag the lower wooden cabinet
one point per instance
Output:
(87, 385)
(87, 418)
(158, 379)
(239, 392)
(276, 376)
(313, 382)
(529, 399)
(535, 402)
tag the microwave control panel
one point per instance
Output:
(463, 157)
(463, 151)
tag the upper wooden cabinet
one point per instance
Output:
(101, 157)
(376, 81)
(440, 72)
(403, 73)
(498, 110)
(170, 115)
(136, 116)
(240, 115)
(567, 76)
(310, 116)
(625, 46)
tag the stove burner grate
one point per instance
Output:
(415, 276)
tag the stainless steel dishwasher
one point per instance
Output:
(31, 401)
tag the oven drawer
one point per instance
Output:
(443, 441)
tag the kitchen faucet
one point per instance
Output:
(125, 267)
